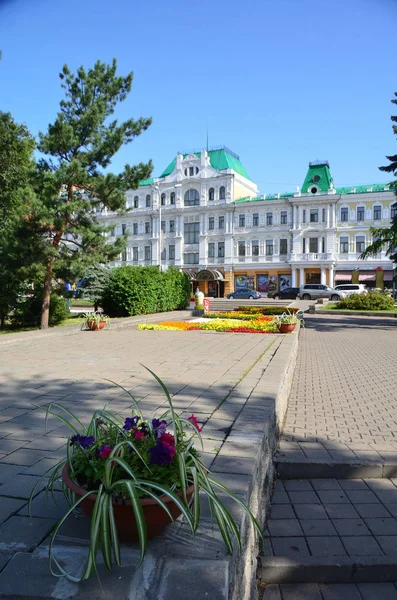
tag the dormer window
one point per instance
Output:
(191, 171)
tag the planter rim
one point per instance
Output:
(68, 481)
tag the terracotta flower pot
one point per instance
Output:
(156, 518)
(94, 326)
(286, 327)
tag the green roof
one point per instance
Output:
(264, 199)
(364, 189)
(149, 181)
(317, 175)
(220, 159)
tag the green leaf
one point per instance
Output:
(173, 416)
(114, 535)
(105, 531)
(167, 492)
(139, 517)
(129, 394)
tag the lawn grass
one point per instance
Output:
(77, 302)
(334, 307)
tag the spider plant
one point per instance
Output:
(96, 318)
(132, 458)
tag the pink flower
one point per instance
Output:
(139, 435)
(105, 451)
(167, 438)
(193, 419)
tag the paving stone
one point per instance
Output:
(272, 592)
(376, 511)
(350, 527)
(388, 543)
(353, 484)
(20, 486)
(340, 591)
(387, 496)
(210, 577)
(282, 511)
(24, 457)
(297, 485)
(325, 484)
(292, 547)
(361, 496)
(9, 506)
(341, 511)
(300, 591)
(377, 591)
(310, 511)
(361, 546)
(284, 527)
(304, 498)
(382, 526)
(22, 534)
(7, 472)
(280, 497)
(46, 506)
(333, 497)
(314, 527)
(325, 546)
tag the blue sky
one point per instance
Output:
(280, 82)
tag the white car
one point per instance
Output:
(352, 288)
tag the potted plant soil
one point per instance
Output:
(133, 476)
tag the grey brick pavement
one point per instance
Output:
(343, 403)
(331, 591)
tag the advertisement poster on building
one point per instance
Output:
(212, 289)
(251, 282)
(284, 281)
(241, 282)
(272, 283)
(262, 283)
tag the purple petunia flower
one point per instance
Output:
(159, 427)
(130, 422)
(161, 454)
(83, 440)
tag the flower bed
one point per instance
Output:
(238, 315)
(265, 310)
(223, 325)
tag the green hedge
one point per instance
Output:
(143, 290)
(28, 311)
(371, 301)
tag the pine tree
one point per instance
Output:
(71, 183)
(386, 236)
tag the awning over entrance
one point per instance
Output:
(191, 273)
(387, 275)
(367, 276)
(209, 275)
(343, 276)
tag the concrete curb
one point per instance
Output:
(340, 569)
(335, 470)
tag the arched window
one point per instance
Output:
(172, 198)
(162, 199)
(136, 202)
(222, 193)
(148, 200)
(192, 198)
(211, 194)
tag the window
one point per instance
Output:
(124, 229)
(241, 248)
(163, 254)
(360, 213)
(163, 226)
(136, 202)
(283, 246)
(171, 252)
(304, 245)
(135, 253)
(222, 193)
(221, 249)
(135, 228)
(313, 245)
(255, 219)
(344, 214)
(393, 211)
(172, 226)
(360, 243)
(192, 198)
(283, 217)
(303, 216)
(323, 245)
(124, 255)
(255, 248)
(269, 218)
(344, 245)
(211, 194)
(221, 222)
(192, 231)
(191, 171)
(147, 227)
(323, 215)
(113, 232)
(314, 215)
(162, 199)
(191, 258)
(211, 223)
(377, 213)
(269, 247)
(241, 221)
(211, 250)
(148, 252)
(148, 201)
(172, 198)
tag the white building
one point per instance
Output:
(203, 215)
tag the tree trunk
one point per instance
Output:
(45, 308)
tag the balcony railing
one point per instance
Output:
(313, 256)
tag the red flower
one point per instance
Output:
(167, 438)
(195, 422)
(139, 435)
(105, 451)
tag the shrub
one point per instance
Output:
(143, 290)
(28, 312)
(372, 301)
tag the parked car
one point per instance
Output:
(352, 288)
(244, 293)
(311, 291)
(289, 293)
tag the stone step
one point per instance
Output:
(354, 469)
(363, 569)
